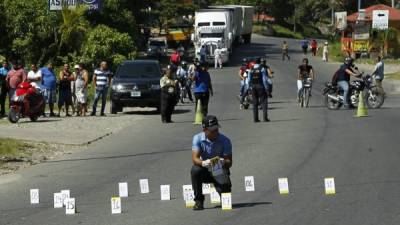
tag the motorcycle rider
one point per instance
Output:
(258, 83)
(183, 76)
(343, 78)
(269, 76)
(304, 71)
(244, 84)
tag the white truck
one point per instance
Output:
(221, 27)
(213, 29)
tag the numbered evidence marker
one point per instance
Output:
(214, 197)
(330, 186)
(70, 206)
(144, 186)
(65, 194)
(185, 189)
(189, 199)
(116, 205)
(283, 186)
(226, 200)
(165, 192)
(207, 188)
(249, 183)
(34, 193)
(123, 189)
(58, 200)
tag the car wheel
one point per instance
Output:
(114, 108)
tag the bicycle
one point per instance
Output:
(305, 93)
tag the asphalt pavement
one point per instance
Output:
(304, 145)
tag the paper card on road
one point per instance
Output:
(144, 186)
(185, 189)
(116, 205)
(58, 200)
(70, 206)
(65, 195)
(189, 199)
(283, 186)
(207, 188)
(34, 193)
(249, 183)
(214, 197)
(165, 192)
(226, 200)
(330, 186)
(123, 189)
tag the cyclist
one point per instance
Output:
(305, 71)
(183, 76)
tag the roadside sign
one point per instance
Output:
(340, 20)
(360, 46)
(57, 5)
(380, 19)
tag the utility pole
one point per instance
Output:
(392, 3)
(359, 5)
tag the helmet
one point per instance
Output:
(348, 61)
(183, 63)
(244, 60)
(258, 60)
(263, 60)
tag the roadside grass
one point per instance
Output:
(12, 148)
(393, 76)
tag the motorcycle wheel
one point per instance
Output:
(330, 104)
(376, 100)
(13, 116)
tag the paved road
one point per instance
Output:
(304, 145)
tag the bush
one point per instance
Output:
(105, 43)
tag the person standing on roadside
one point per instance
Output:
(3, 87)
(325, 52)
(203, 87)
(304, 45)
(14, 77)
(218, 58)
(168, 96)
(81, 84)
(101, 82)
(285, 51)
(65, 95)
(35, 76)
(49, 84)
(314, 47)
(379, 74)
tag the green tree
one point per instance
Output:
(105, 43)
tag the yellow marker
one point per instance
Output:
(330, 186)
(283, 186)
(226, 200)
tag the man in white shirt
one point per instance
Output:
(218, 58)
(35, 76)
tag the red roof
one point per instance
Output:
(394, 14)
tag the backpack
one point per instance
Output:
(335, 77)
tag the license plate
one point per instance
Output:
(136, 94)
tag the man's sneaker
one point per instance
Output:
(198, 205)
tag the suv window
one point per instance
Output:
(157, 43)
(139, 70)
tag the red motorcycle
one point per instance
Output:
(26, 102)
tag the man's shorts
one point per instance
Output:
(50, 96)
(65, 97)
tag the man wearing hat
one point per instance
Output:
(212, 158)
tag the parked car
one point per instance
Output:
(136, 84)
(157, 47)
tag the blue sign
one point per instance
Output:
(55, 5)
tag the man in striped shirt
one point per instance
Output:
(101, 81)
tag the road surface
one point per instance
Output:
(304, 145)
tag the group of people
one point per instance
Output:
(71, 86)
(184, 76)
(305, 45)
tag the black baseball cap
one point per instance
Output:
(210, 123)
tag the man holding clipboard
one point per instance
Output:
(212, 158)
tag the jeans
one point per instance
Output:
(344, 85)
(103, 94)
(201, 175)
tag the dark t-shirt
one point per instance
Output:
(305, 71)
(342, 75)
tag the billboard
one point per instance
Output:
(380, 19)
(340, 20)
(361, 46)
(55, 5)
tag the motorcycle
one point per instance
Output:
(373, 96)
(248, 99)
(26, 102)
